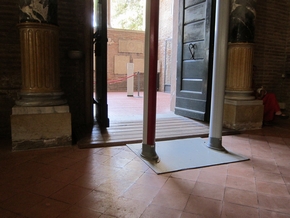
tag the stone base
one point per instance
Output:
(243, 115)
(40, 127)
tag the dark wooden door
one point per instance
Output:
(100, 42)
(195, 58)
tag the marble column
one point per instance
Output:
(39, 37)
(241, 110)
(40, 118)
(240, 50)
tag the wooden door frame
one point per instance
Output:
(88, 53)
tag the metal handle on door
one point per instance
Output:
(192, 48)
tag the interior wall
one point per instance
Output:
(285, 84)
(10, 65)
(271, 51)
(73, 29)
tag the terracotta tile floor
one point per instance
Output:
(121, 107)
(112, 182)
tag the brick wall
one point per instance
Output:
(72, 72)
(284, 91)
(271, 47)
(10, 65)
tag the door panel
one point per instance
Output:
(194, 13)
(195, 49)
(194, 31)
(192, 2)
(100, 40)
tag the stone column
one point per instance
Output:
(39, 54)
(241, 110)
(240, 50)
(40, 119)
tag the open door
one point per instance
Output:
(195, 59)
(100, 77)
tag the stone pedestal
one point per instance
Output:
(40, 127)
(243, 115)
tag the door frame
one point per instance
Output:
(88, 53)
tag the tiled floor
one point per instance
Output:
(121, 107)
(113, 182)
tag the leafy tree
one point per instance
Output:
(128, 14)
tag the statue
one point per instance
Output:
(40, 11)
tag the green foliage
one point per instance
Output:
(128, 14)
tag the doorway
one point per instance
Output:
(194, 55)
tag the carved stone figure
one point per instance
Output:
(41, 11)
(242, 21)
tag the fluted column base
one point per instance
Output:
(41, 99)
(239, 95)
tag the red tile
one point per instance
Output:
(243, 169)
(77, 212)
(46, 209)
(67, 176)
(218, 169)
(272, 188)
(115, 187)
(136, 164)
(98, 201)
(171, 199)
(46, 187)
(208, 190)
(187, 174)
(269, 177)
(239, 211)
(124, 207)
(272, 214)
(117, 162)
(204, 206)
(6, 213)
(71, 194)
(190, 215)
(241, 183)
(179, 185)
(241, 197)
(212, 178)
(262, 151)
(160, 211)
(140, 192)
(152, 179)
(265, 165)
(90, 181)
(274, 203)
(21, 202)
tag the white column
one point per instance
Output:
(219, 74)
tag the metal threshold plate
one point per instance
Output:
(182, 154)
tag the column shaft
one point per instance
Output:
(39, 56)
(239, 71)
(240, 50)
